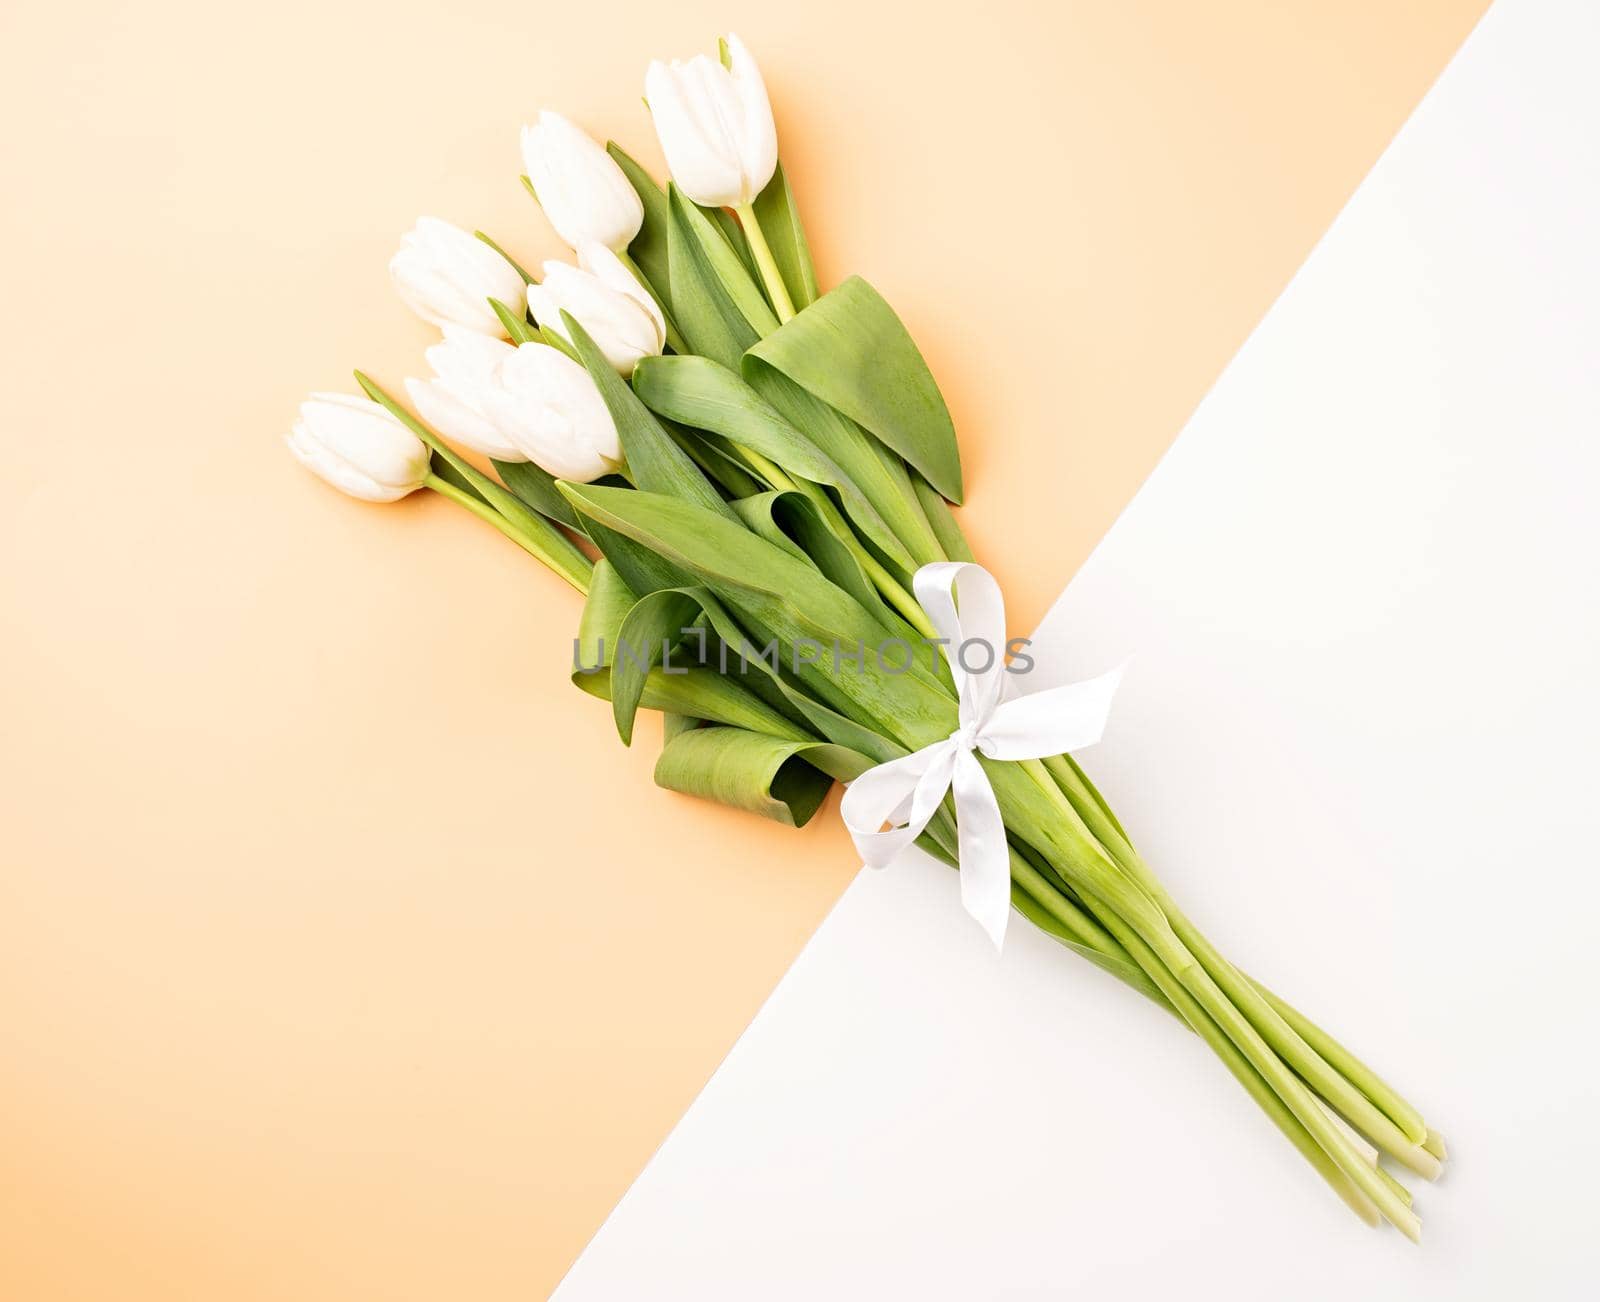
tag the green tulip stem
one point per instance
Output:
(886, 584)
(1172, 958)
(566, 567)
(893, 593)
(508, 513)
(1348, 1084)
(768, 265)
(776, 476)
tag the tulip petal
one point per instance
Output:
(623, 321)
(702, 161)
(466, 357)
(608, 268)
(648, 249)
(365, 435)
(757, 135)
(358, 447)
(547, 405)
(464, 364)
(459, 421)
(447, 276)
(580, 187)
(334, 470)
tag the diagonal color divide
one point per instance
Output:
(338, 972)
(1357, 724)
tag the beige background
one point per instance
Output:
(344, 953)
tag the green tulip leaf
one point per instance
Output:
(515, 265)
(674, 725)
(649, 247)
(759, 698)
(606, 606)
(852, 351)
(722, 553)
(557, 546)
(757, 511)
(714, 295)
(792, 521)
(727, 254)
(714, 457)
(518, 327)
(780, 223)
(545, 335)
(651, 629)
(706, 317)
(702, 694)
(782, 780)
(787, 601)
(699, 692)
(707, 395)
(942, 520)
(536, 487)
(648, 252)
(446, 471)
(709, 324)
(640, 568)
(658, 464)
(728, 224)
(779, 689)
(877, 472)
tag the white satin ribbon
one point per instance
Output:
(887, 807)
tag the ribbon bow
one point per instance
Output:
(906, 793)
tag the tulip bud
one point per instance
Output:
(358, 447)
(580, 187)
(715, 126)
(548, 407)
(456, 401)
(447, 277)
(604, 298)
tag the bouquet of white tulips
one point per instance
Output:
(750, 482)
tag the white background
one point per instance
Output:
(1357, 736)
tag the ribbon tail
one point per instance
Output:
(904, 793)
(1051, 722)
(985, 857)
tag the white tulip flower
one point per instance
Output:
(548, 407)
(358, 447)
(606, 299)
(447, 277)
(580, 187)
(715, 126)
(456, 401)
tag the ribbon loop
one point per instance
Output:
(888, 807)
